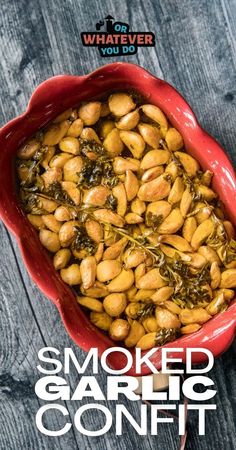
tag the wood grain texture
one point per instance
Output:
(196, 52)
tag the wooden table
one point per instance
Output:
(196, 52)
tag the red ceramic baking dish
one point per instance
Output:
(51, 98)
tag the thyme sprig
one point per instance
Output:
(142, 243)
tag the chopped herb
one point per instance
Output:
(31, 203)
(96, 172)
(87, 146)
(111, 202)
(154, 221)
(55, 191)
(218, 237)
(189, 288)
(165, 335)
(188, 181)
(227, 252)
(91, 173)
(109, 177)
(146, 310)
(191, 185)
(32, 165)
(82, 241)
(39, 155)
(176, 160)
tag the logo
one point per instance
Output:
(115, 39)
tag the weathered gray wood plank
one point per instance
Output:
(21, 338)
(195, 51)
